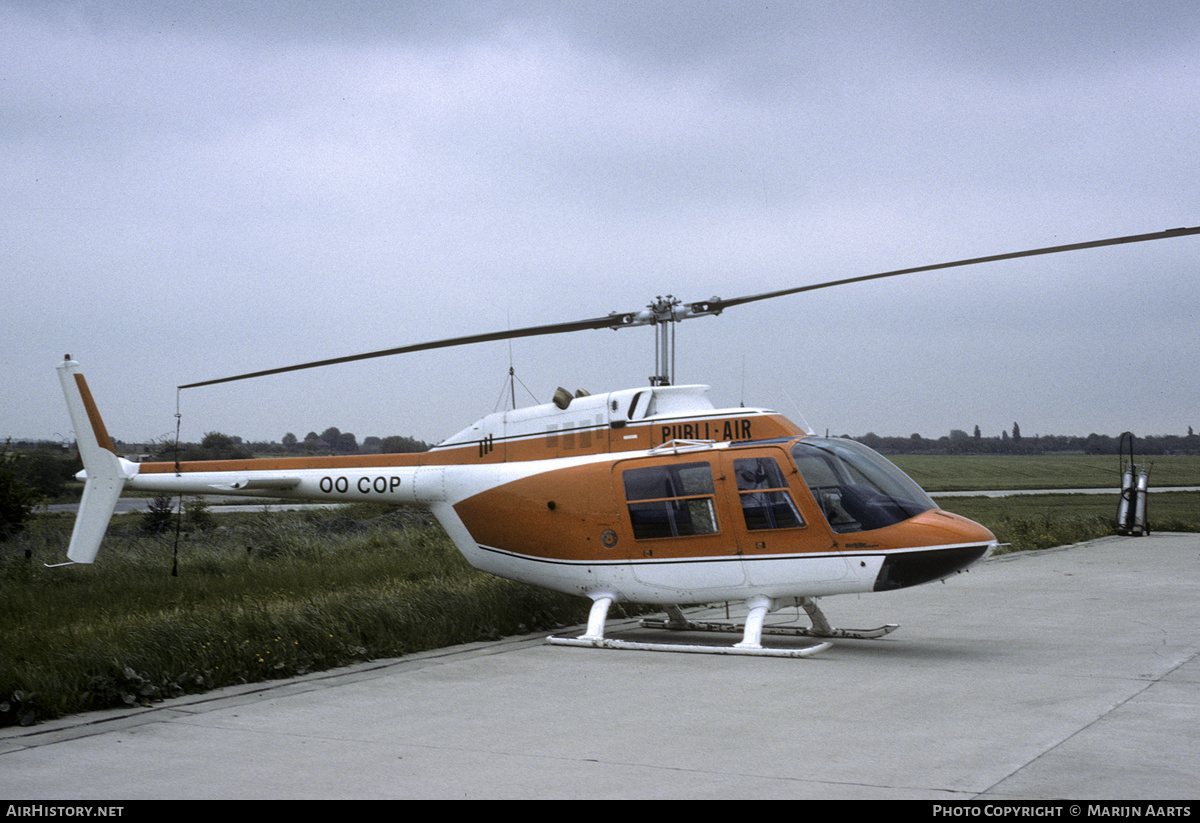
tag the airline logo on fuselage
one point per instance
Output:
(738, 429)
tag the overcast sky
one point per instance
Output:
(194, 190)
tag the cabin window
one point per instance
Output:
(766, 502)
(671, 500)
(856, 488)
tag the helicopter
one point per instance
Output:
(646, 495)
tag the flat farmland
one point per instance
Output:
(985, 472)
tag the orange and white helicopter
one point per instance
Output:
(648, 495)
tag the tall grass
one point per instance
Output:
(259, 597)
(1030, 522)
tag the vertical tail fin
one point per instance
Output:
(106, 472)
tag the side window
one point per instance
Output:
(671, 500)
(766, 502)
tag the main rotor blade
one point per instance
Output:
(609, 321)
(703, 308)
(719, 305)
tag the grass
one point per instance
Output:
(1041, 521)
(1029, 522)
(258, 597)
(980, 472)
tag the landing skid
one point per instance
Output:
(783, 631)
(820, 626)
(688, 648)
(752, 631)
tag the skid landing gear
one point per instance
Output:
(751, 631)
(820, 625)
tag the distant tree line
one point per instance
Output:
(335, 441)
(36, 472)
(46, 466)
(959, 442)
(332, 441)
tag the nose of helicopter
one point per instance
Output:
(943, 544)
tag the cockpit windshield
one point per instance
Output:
(856, 488)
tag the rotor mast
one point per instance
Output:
(663, 313)
(664, 340)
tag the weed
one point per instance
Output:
(257, 597)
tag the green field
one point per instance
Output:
(972, 472)
(1025, 522)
